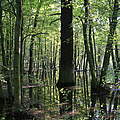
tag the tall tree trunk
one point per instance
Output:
(21, 59)
(90, 57)
(117, 73)
(3, 51)
(108, 50)
(114, 97)
(17, 83)
(66, 58)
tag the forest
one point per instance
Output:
(59, 60)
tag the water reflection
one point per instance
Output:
(47, 107)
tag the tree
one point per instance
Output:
(108, 50)
(89, 52)
(1, 43)
(66, 80)
(17, 82)
(84, 54)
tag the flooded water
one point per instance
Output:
(45, 104)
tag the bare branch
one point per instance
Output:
(54, 20)
(33, 35)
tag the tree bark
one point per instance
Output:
(66, 57)
(89, 51)
(3, 52)
(17, 82)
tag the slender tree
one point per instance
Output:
(17, 83)
(1, 43)
(89, 51)
(108, 50)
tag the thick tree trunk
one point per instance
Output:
(66, 58)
